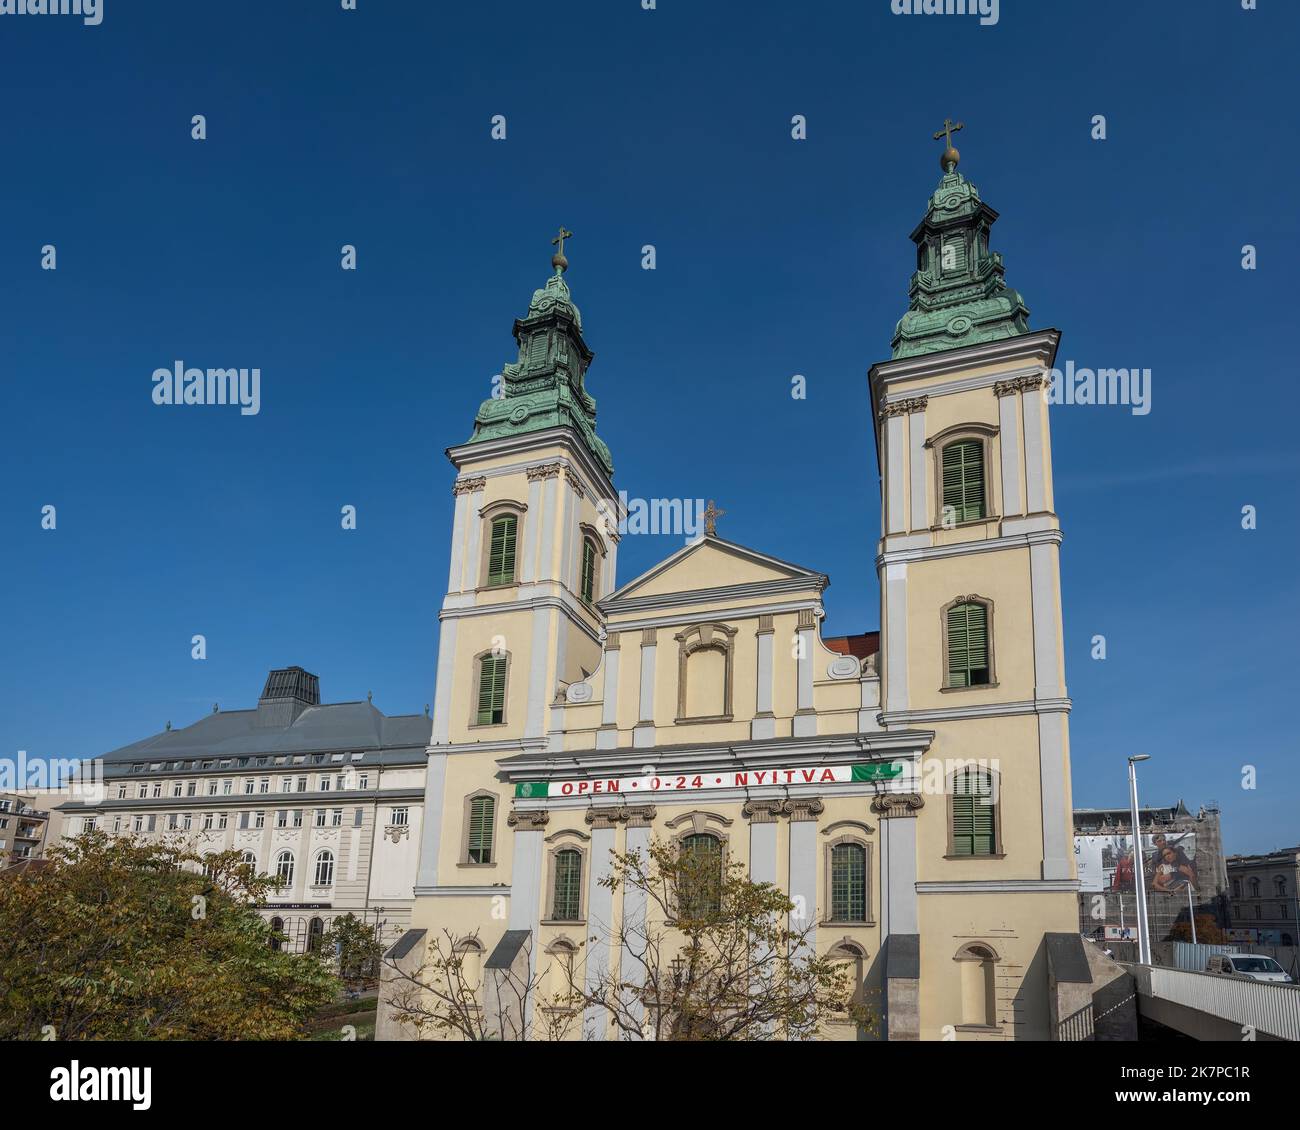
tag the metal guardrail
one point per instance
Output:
(1269, 1007)
(1076, 1027)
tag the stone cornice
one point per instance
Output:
(904, 407)
(529, 820)
(468, 486)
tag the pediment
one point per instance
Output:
(710, 563)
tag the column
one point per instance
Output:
(1034, 407)
(469, 577)
(899, 929)
(607, 735)
(526, 886)
(803, 814)
(435, 778)
(1009, 441)
(441, 734)
(764, 722)
(916, 449)
(633, 935)
(600, 919)
(805, 717)
(460, 489)
(895, 636)
(532, 520)
(644, 734)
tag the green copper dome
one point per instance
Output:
(958, 295)
(545, 387)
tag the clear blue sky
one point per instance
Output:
(669, 127)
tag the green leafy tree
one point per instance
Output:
(354, 946)
(118, 939)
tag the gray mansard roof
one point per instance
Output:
(285, 721)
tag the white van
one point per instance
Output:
(1252, 965)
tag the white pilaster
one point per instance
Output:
(1034, 408)
(1009, 441)
(458, 543)
(532, 520)
(895, 470)
(895, 634)
(916, 484)
(442, 690)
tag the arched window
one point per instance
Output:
(315, 935)
(1254, 888)
(849, 883)
(704, 673)
(467, 970)
(568, 886)
(590, 559)
(562, 978)
(973, 825)
(854, 959)
(249, 858)
(979, 1004)
(284, 867)
(963, 481)
(480, 826)
(501, 549)
(701, 876)
(490, 709)
(210, 867)
(324, 868)
(277, 933)
(1279, 885)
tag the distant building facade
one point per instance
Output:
(329, 798)
(24, 827)
(1265, 906)
(1179, 851)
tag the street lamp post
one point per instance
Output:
(1191, 913)
(1139, 879)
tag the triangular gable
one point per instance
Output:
(710, 563)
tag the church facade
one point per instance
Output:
(909, 790)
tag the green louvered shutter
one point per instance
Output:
(588, 570)
(501, 551)
(968, 645)
(973, 814)
(963, 480)
(491, 690)
(481, 811)
(568, 886)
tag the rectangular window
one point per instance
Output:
(963, 481)
(121, 795)
(173, 822)
(968, 645)
(188, 822)
(568, 886)
(226, 786)
(117, 823)
(142, 792)
(336, 818)
(400, 816)
(588, 570)
(286, 784)
(138, 824)
(302, 784)
(212, 788)
(207, 820)
(501, 550)
(189, 788)
(325, 784)
(176, 788)
(363, 781)
(320, 818)
(248, 786)
(282, 818)
(259, 819)
(492, 690)
(157, 789)
(849, 883)
(264, 785)
(481, 812)
(297, 817)
(973, 813)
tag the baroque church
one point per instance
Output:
(908, 789)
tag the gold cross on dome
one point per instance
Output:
(949, 128)
(711, 516)
(564, 234)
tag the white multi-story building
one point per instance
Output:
(329, 798)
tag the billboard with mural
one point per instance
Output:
(1105, 863)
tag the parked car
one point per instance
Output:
(1252, 965)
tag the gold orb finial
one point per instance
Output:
(950, 157)
(558, 261)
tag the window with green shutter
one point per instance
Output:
(974, 813)
(492, 690)
(501, 550)
(849, 883)
(482, 813)
(568, 886)
(968, 645)
(963, 480)
(588, 570)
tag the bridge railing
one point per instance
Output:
(1265, 1006)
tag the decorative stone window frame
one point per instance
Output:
(701, 637)
(487, 515)
(696, 823)
(587, 531)
(981, 952)
(849, 832)
(315, 868)
(949, 787)
(985, 434)
(474, 723)
(567, 839)
(570, 949)
(470, 798)
(971, 598)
